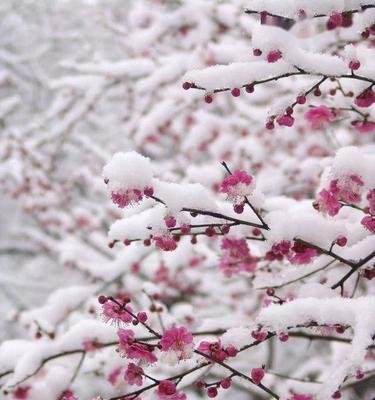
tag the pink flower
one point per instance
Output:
(133, 375)
(165, 242)
(371, 200)
(285, 120)
(214, 350)
(319, 116)
(236, 257)
(167, 391)
(259, 335)
(302, 254)
(113, 375)
(369, 223)
(113, 312)
(22, 393)
(301, 397)
(273, 56)
(364, 126)
(178, 343)
(127, 197)
(238, 185)
(327, 203)
(348, 188)
(130, 348)
(365, 99)
(257, 374)
(278, 251)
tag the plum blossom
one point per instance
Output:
(285, 120)
(238, 185)
(124, 198)
(364, 126)
(296, 253)
(365, 99)
(369, 223)
(347, 188)
(114, 375)
(167, 391)
(22, 393)
(257, 374)
(319, 116)
(165, 242)
(177, 343)
(215, 350)
(301, 397)
(371, 201)
(113, 312)
(130, 348)
(236, 257)
(327, 203)
(133, 375)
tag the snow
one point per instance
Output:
(290, 8)
(328, 311)
(128, 171)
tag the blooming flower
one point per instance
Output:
(113, 375)
(116, 313)
(327, 203)
(364, 127)
(285, 120)
(130, 348)
(127, 197)
(167, 391)
(369, 223)
(238, 185)
(319, 116)
(236, 257)
(133, 375)
(215, 351)
(365, 99)
(177, 343)
(165, 242)
(296, 253)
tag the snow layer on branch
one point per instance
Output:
(136, 226)
(290, 8)
(358, 313)
(352, 160)
(189, 195)
(133, 68)
(128, 171)
(268, 38)
(303, 222)
(58, 305)
(236, 74)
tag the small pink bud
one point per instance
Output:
(257, 374)
(359, 375)
(225, 383)
(301, 99)
(148, 191)
(142, 316)
(186, 85)
(257, 52)
(270, 125)
(283, 337)
(208, 98)
(336, 395)
(341, 241)
(354, 65)
(274, 56)
(211, 392)
(238, 208)
(249, 88)
(170, 222)
(102, 299)
(235, 92)
(256, 232)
